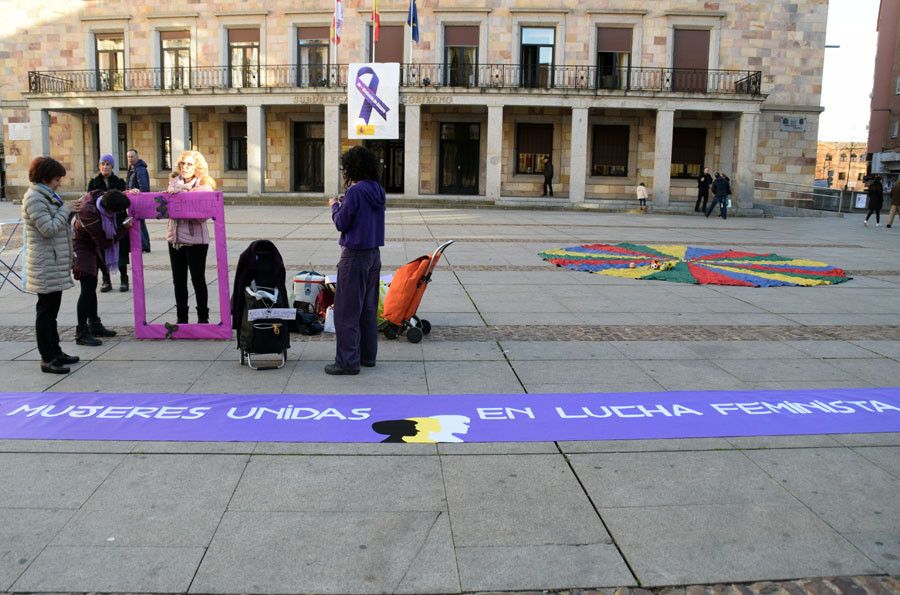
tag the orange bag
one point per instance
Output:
(406, 291)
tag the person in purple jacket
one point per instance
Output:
(359, 216)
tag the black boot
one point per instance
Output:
(203, 315)
(123, 284)
(107, 284)
(98, 330)
(54, 367)
(181, 314)
(84, 337)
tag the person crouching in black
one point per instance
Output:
(104, 181)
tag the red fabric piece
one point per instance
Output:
(704, 276)
(617, 250)
(787, 271)
(730, 254)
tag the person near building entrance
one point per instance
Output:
(642, 196)
(189, 238)
(96, 236)
(107, 180)
(876, 201)
(138, 180)
(895, 202)
(548, 176)
(703, 184)
(721, 190)
(359, 216)
(48, 242)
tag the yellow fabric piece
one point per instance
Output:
(628, 273)
(774, 276)
(672, 250)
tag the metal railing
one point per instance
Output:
(480, 76)
(801, 196)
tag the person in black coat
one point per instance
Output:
(703, 183)
(876, 201)
(104, 181)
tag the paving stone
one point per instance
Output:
(658, 479)
(886, 457)
(708, 543)
(552, 567)
(844, 488)
(66, 446)
(293, 552)
(471, 377)
(690, 375)
(755, 442)
(690, 444)
(498, 448)
(52, 480)
(334, 448)
(24, 533)
(503, 501)
(566, 351)
(111, 569)
(335, 483)
(882, 548)
(180, 524)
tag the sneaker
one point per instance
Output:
(878, 225)
(367, 364)
(336, 370)
(54, 367)
(866, 223)
(888, 225)
(66, 359)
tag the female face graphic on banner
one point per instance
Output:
(373, 98)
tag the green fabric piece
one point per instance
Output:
(680, 273)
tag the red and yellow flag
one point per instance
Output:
(376, 21)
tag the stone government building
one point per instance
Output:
(616, 92)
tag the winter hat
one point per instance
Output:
(109, 159)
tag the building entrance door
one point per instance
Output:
(459, 158)
(390, 157)
(309, 157)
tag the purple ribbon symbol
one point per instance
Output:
(371, 99)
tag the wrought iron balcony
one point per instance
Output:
(480, 76)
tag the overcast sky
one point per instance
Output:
(847, 78)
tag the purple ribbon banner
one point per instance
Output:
(369, 93)
(447, 418)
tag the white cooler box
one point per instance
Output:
(307, 285)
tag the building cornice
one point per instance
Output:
(173, 15)
(540, 11)
(463, 9)
(806, 109)
(242, 13)
(615, 11)
(310, 13)
(696, 13)
(93, 18)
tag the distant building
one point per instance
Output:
(884, 122)
(615, 92)
(842, 164)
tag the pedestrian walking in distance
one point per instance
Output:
(876, 201)
(703, 184)
(642, 196)
(548, 177)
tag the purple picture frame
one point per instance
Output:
(184, 205)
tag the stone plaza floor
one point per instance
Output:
(246, 517)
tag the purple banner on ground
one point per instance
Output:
(447, 418)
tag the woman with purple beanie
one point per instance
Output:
(359, 216)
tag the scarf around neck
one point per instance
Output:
(111, 253)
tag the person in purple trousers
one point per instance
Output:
(359, 216)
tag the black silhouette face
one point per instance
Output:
(395, 429)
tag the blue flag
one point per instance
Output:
(412, 19)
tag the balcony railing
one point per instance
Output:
(481, 76)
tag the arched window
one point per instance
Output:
(828, 157)
(853, 157)
(843, 157)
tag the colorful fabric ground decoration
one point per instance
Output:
(688, 264)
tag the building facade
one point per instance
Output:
(884, 122)
(842, 165)
(615, 92)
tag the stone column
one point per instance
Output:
(726, 150)
(80, 174)
(662, 163)
(180, 128)
(578, 155)
(412, 134)
(256, 149)
(745, 172)
(332, 150)
(109, 131)
(40, 132)
(494, 158)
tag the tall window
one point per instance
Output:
(389, 47)
(243, 57)
(690, 60)
(110, 61)
(312, 56)
(828, 157)
(536, 60)
(237, 146)
(176, 59)
(609, 151)
(688, 152)
(613, 57)
(843, 157)
(164, 149)
(461, 55)
(121, 145)
(533, 143)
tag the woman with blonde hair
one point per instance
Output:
(189, 238)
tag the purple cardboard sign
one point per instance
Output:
(184, 205)
(447, 418)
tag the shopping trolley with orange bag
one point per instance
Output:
(405, 294)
